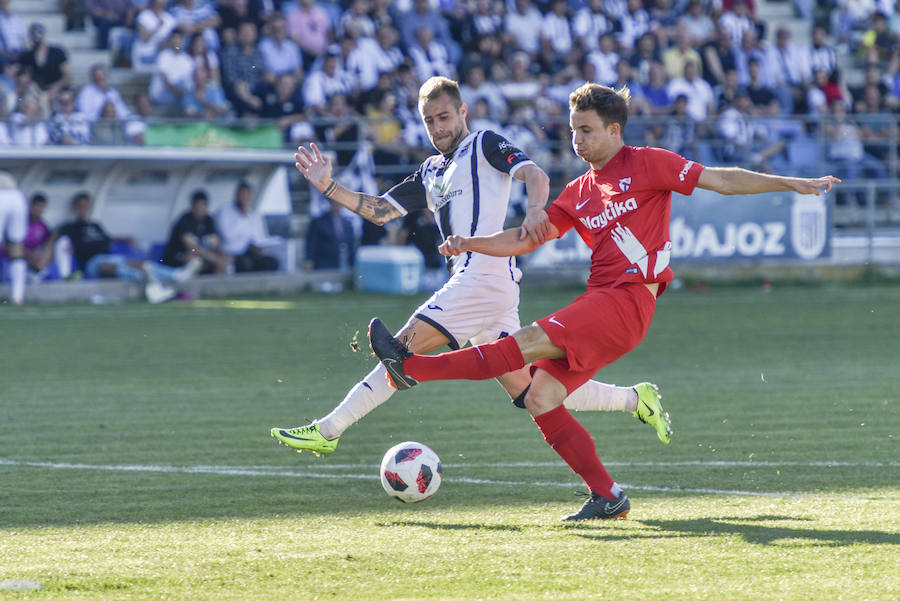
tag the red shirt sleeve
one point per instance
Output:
(669, 171)
(558, 215)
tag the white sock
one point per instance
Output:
(599, 396)
(62, 254)
(362, 399)
(17, 273)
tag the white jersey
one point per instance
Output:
(468, 191)
(13, 215)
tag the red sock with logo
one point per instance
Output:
(574, 444)
(480, 362)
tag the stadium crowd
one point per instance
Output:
(342, 72)
(308, 66)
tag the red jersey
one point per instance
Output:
(622, 213)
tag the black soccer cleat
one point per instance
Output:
(391, 352)
(601, 508)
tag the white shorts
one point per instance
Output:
(478, 308)
(13, 216)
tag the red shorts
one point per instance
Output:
(596, 329)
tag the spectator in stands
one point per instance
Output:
(387, 130)
(522, 28)
(604, 59)
(383, 12)
(106, 14)
(28, 126)
(699, 24)
(655, 91)
(26, 86)
(193, 17)
(821, 55)
(194, 234)
(231, 14)
(136, 126)
(280, 53)
(634, 23)
(88, 243)
(664, 15)
(154, 26)
(283, 102)
(37, 250)
(242, 69)
(430, 57)
(205, 99)
(718, 57)
(488, 55)
(750, 50)
(205, 57)
(875, 77)
(875, 122)
(698, 91)
(480, 116)
(761, 96)
(262, 11)
(521, 87)
(422, 15)
(736, 130)
(845, 150)
(309, 26)
(330, 241)
(589, 23)
(675, 58)
(325, 82)
(477, 88)
(340, 127)
(789, 71)
(109, 129)
(678, 133)
(389, 54)
(727, 93)
(878, 43)
(555, 30)
(825, 90)
(646, 53)
(49, 65)
(68, 126)
(173, 76)
(244, 234)
(356, 16)
(737, 21)
(12, 33)
(484, 20)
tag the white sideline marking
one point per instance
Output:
(269, 471)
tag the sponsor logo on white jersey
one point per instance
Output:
(613, 210)
(684, 170)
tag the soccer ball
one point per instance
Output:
(410, 472)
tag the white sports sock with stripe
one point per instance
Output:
(17, 273)
(362, 399)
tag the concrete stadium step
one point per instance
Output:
(54, 22)
(31, 6)
(80, 64)
(74, 41)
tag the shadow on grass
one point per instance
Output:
(751, 532)
(440, 526)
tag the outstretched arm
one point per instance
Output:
(508, 243)
(316, 167)
(734, 180)
(536, 226)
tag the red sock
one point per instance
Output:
(480, 362)
(574, 444)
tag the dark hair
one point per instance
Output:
(611, 105)
(199, 195)
(38, 197)
(79, 196)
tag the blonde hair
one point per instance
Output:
(437, 86)
(611, 105)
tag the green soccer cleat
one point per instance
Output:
(305, 438)
(650, 410)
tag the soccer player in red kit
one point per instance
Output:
(620, 207)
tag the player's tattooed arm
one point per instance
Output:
(372, 208)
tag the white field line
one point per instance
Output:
(269, 471)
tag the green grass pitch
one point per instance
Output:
(135, 461)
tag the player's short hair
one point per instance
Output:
(38, 198)
(611, 105)
(437, 86)
(199, 195)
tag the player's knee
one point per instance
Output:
(538, 401)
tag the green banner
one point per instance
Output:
(208, 135)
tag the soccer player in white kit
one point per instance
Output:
(13, 226)
(467, 186)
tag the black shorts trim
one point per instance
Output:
(453, 344)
